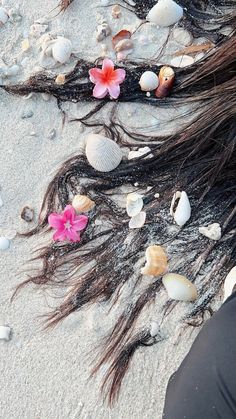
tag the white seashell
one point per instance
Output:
(213, 231)
(61, 49)
(179, 288)
(134, 204)
(148, 81)
(4, 243)
(154, 328)
(182, 36)
(199, 56)
(230, 282)
(82, 203)
(182, 61)
(124, 44)
(165, 13)
(103, 154)
(137, 221)
(156, 261)
(140, 152)
(5, 332)
(182, 213)
(103, 31)
(3, 16)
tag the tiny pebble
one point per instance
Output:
(27, 114)
(4, 243)
(136, 184)
(27, 214)
(157, 195)
(5, 332)
(52, 134)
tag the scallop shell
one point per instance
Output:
(82, 203)
(165, 13)
(148, 81)
(230, 282)
(213, 231)
(61, 49)
(182, 213)
(166, 81)
(137, 221)
(5, 332)
(103, 154)
(179, 288)
(156, 261)
(3, 16)
(134, 204)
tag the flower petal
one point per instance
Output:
(107, 65)
(119, 75)
(100, 90)
(80, 223)
(55, 220)
(73, 236)
(60, 235)
(114, 90)
(69, 214)
(95, 75)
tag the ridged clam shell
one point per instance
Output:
(103, 154)
(138, 220)
(213, 231)
(182, 213)
(165, 13)
(156, 263)
(230, 282)
(82, 203)
(148, 81)
(61, 49)
(179, 288)
(134, 204)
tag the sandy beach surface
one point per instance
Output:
(44, 374)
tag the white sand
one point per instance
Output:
(43, 375)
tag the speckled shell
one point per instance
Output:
(82, 203)
(179, 288)
(103, 154)
(166, 81)
(165, 13)
(156, 261)
(148, 81)
(61, 50)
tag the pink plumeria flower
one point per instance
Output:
(68, 224)
(106, 80)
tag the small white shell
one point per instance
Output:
(148, 81)
(82, 203)
(182, 36)
(103, 154)
(230, 282)
(165, 13)
(137, 221)
(61, 49)
(103, 31)
(5, 332)
(154, 328)
(3, 16)
(139, 153)
(4, 243)
(182, 213)
(182, 61)
(179, 288)
(134, 204)
(213, 231)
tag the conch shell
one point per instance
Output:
(166, 81)
(82, 203)
(179, 288)
(156, 261)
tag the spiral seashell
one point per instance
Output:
(165, 13)
(166, 81)
(182, 212)
(82, 203)
(148, 81)
(103, 154)
(156, 263)
(134, 204)
(179, 288)
(61, 49)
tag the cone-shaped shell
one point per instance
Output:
(165, 13)
(148, 81)
(166, 82)
(103, 154)
(134, 204)
(230, 282)
(182, 212)
(179, 288)
(61, 50)
(82, 203)
(156, 263)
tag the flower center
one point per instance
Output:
(67, 225)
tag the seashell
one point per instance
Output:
(148, 81)
(154, 328)
(212, 231)
(137, 221)
(61, 49)
(120, 36)
(60, 79)
(199, 56)
(182, 61)
(165, 13)
(134, 204)
(25, 45)
(166, 81)
(182, 212)
(37, 29)
(182, 36)
(115, 11)
(179, 288)
(5, 332)
(123, 45)
(3, 16)
(27, 214)
(156, 261)
(139, 153)
(4, 243)
(82, 203)
(103, 154)
(230, 282)
(103, 31)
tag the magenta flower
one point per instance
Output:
(106, 80)
(67, 224)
